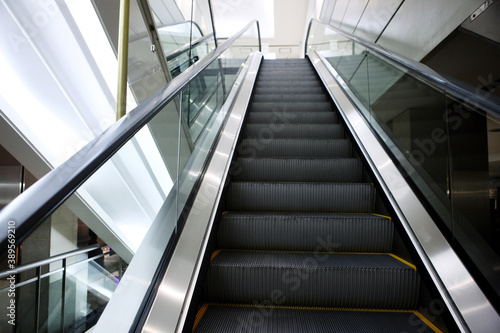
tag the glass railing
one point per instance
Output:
(184, 44)
(444, 138)
(150, 160)
(66, 292)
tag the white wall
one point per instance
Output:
(411, 28)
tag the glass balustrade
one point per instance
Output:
(446, 146)
(155, 169)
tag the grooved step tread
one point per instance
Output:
(298, 148)
(292, 118)
(272, 106)
(270, 317)
(289, 97)
(301, 197)
(277, 130)
(307, 232)
(298, 169)
(350, 280)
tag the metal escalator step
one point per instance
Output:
(270, 318)
(291, 107)
(294, 131)
(297, 148)
(288, 90)
(286, 76)
(288, 83)
(348, 170)
(304, 98)
(301, 197)
(305, 232)
(292, 118)
(346, 280)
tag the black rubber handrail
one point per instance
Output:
(420, 70)
(27, 211)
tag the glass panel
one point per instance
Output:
(475, 172)
(25, 311)
(7, 324)
(89, 286)
(51, 303)
(120, 201)
(186, 42)
(203, 108)
(448, 149)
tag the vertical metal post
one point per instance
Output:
(121, 100)
(37, 299)
(258, 35)
(213, 23)
(178, 160)
(63, 295)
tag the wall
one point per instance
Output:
(411, 28)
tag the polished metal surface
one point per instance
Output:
(466, 302)
(169, 311)
(481, 9)
(10, 183)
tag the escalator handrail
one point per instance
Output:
(422, 71)
(27, 211)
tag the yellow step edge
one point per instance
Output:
(311, 308)
(427, 322)
(200, 315)
(403, 261)
(313, 252)
(214, 254)
(205, 306)
(385, 216)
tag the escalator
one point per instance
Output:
(302, 245)
(288, 209)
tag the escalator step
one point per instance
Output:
(294, 131)
(268, 318)
(301, 197)
(288, 83)
(291, 107)
(288, 90)
(301, 98)
(298, 148)
(346, 280)
(348, 170)
(306, 232)
(292, 118)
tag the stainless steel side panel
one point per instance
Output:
(169, 311)
(466, 302)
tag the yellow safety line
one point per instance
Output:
(427, 322)
(225, 212)
(205, 306)
(214, 254)
(387, 217)
(199, 315)
(302, 252)
(403, 261)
